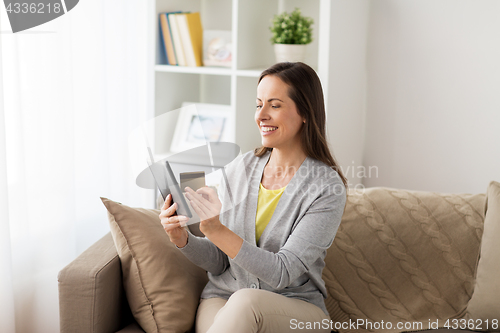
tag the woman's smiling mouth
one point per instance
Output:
(265, 130)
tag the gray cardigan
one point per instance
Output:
(289, 258)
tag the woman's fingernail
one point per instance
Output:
(183, 218)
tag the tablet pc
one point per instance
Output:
(175, 190)
(167, 184)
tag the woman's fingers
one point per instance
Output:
(174, 222)
(189, 191)
(166, 204)
(201, 211)
(197, 197)
(213, 201)
(209, 193)
(204, 208)
(171, 226)
(175, 219)
(200, 205)
(169, 211)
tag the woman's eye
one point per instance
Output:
(272, 106)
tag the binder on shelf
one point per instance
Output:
(176, 37)
(196, 33)
(166, 37)
(191, 32)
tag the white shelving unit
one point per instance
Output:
(249, 21)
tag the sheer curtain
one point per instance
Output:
(71, 92)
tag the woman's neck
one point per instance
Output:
(285, 163)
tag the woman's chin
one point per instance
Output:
(267, 143)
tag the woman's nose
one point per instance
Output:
(262, 113)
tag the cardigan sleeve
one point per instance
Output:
(307, 243)
(203, 253)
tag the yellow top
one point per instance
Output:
(268, 200)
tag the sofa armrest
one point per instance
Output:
(91, 296)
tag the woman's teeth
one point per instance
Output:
(269, 129)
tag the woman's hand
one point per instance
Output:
(173, 224)
(207, 205)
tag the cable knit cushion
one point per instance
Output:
(484, 306)
(404, 256)
(162, 286)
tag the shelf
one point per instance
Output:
(255, 72)
(193, 70)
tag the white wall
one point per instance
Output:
(347, 84)
(433, 92)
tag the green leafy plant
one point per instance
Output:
(291, 28)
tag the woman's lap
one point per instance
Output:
(256, 310)
(207, 310)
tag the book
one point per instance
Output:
(196, 33)
(176, 37)
(166, 37)
(191, 33)
(182, 24)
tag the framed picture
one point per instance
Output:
(199, 123)
(217, 48)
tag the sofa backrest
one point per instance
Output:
(404, 256)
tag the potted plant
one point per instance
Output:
(291, 34)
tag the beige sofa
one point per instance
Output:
(399, 256)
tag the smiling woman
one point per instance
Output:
(277, 117)
(266, 257)
(301, 95)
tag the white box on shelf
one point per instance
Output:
(217, 48)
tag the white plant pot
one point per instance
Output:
(290, 52)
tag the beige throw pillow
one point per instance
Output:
(162, 286)
(484, 306)
(404, 257)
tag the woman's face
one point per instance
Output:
(276, 115)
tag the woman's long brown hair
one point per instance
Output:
(306, 91)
